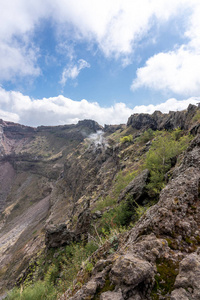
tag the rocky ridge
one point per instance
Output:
(45, 171)
(162, 247)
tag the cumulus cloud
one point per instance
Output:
(18, 54)
(72, 71)
(8, 116)
(115, 26)
(19, 62)
(17, 107)
(176, 71)
(171, 104)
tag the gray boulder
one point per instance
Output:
(130, 270)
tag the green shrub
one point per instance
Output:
(39, 291)
(196, 117)
(164, 148)
(146, 136)
(126, 138)
(105, 202)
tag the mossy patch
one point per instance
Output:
(167, 270)
(108, 286)
(172, 243)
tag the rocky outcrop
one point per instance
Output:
(136, 189)
(59, 235)
(142, 121)
(160, 121)
(129, 271)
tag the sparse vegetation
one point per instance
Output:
(146, 136)
(55, 272)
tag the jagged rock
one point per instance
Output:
(90, 124)
(188, 277)
(111, 296)
(160, 121)
(142, 121)
(57, 236)
(180, 294)
(83, 224)
(136, 188)
(174, 221)
(130, 270)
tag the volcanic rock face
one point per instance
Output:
(31, 163)
(163, 246)
(159, 121)
(52, 177)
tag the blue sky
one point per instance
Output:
(63, 60)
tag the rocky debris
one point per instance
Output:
(7, 175)
(136, 188)
(92, 286)
(180, 294)
(160, 121)
(97, 214)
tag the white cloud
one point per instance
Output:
(72, 71)
(16, 107)
(8, 116)
(18, 54)
(170, 105)
(115, 26)
(176, 71)
(17, 61)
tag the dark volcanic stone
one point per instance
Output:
(57, 236)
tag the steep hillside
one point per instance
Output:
(75, 189)
(31, 162)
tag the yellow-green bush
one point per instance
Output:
(126, 138)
